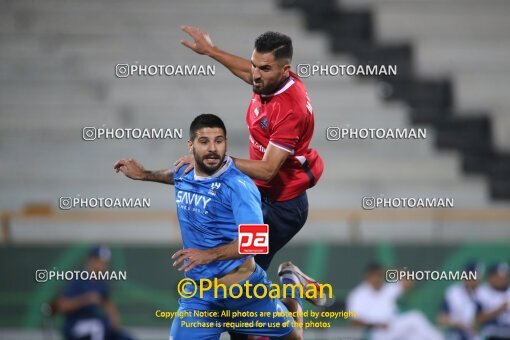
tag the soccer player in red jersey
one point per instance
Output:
(280, 121)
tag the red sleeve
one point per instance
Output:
(286, 127)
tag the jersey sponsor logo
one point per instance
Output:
(195, 199)
(253, 238)
(256, 111)
(264, 123)
(257, 145)
(309, 105)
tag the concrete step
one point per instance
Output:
(354, 165)
(476, 90)
(371, 160)
(411, 23)
(468, 192)
(439, 57)
(413, 231)
(460, 3)
(111, 20)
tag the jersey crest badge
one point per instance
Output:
(264, 123)
(214, 186)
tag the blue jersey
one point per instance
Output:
(210, 210)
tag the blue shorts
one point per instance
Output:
(180, 331)
(285, 219)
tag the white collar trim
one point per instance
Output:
(218, 173)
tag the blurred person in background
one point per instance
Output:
(375, 305)
(493, 299)
(458, 311)
(89, 313)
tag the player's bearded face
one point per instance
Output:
(209, 149)
(267, 73)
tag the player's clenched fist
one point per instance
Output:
(202, 43)
(131, 168)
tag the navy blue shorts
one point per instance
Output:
(285, 219)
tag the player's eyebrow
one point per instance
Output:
(264, 66)
(214, 138)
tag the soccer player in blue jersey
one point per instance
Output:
(211, 202)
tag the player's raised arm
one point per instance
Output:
(202, 44)
(198, 257)
(134, 170)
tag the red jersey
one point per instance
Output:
(285, 120)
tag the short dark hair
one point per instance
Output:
(206, 120)
(373, 267)
(277, 43)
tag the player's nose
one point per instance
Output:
(256, 75)
(212, 147)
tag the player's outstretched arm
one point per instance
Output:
(134, 170)
(202, 44)
(265, 169)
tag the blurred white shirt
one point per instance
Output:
(380, 307)
(489, 299)
(375, 306)
(460, 304)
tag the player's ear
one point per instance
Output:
(190, 146)
(286, 70)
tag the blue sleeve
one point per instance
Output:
(178, 173)
(246, 201)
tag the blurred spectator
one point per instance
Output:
(89, 311)
(375, 305)
(492, 299)
(458, 311)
